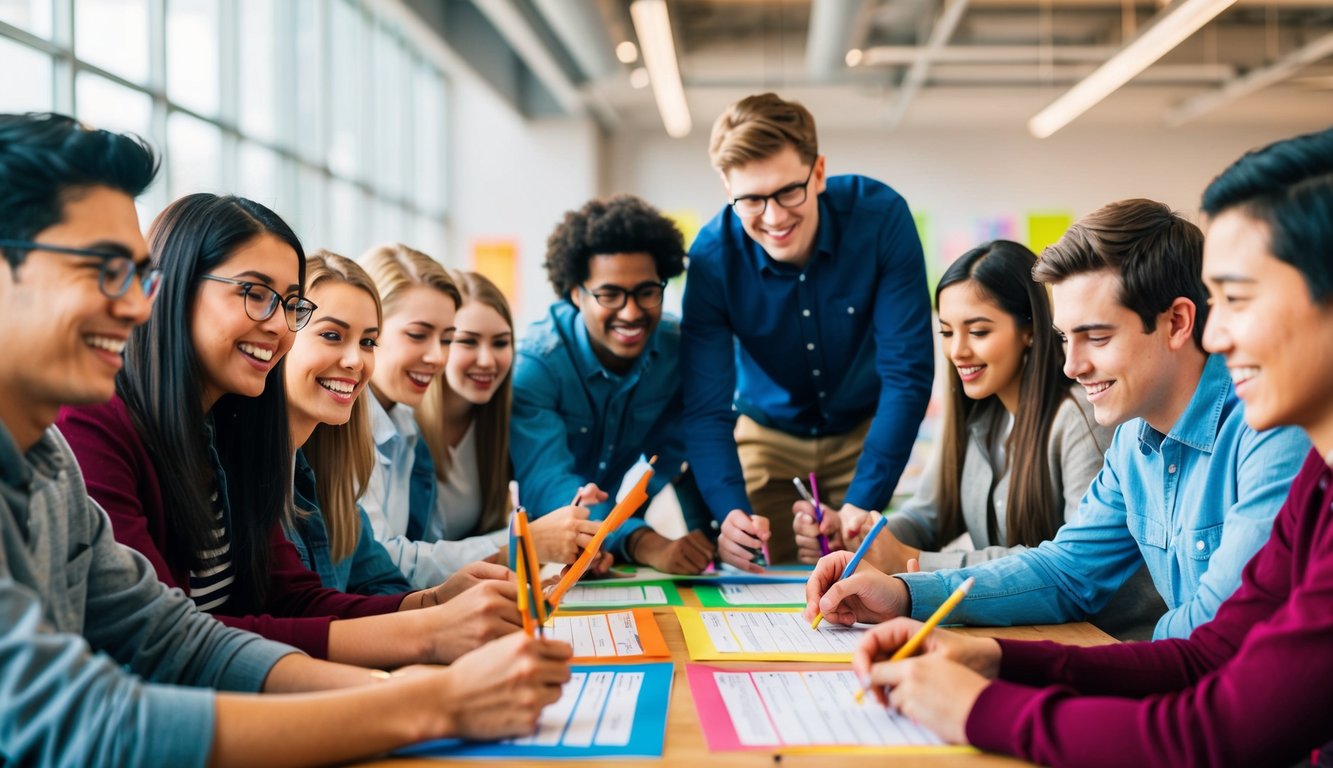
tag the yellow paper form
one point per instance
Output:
(740, 634)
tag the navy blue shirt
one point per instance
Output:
(813, 350)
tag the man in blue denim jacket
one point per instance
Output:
(597, 384)
(1187, 488)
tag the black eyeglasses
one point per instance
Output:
(789, 196)
(646, 295)
(262, 301)
(117, 273)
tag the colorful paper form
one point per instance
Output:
(597, 595)
(637, 574)
(751, 634)
(613, 635)
(805, 710)
(603, 711)
(728, 595)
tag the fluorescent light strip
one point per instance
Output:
(653, 28)
(1176, 23)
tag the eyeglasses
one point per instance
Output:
(116, 274)
(262, 301)
(789, 196)
(646, 295)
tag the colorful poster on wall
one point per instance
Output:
(1045, 227)
(497, 259)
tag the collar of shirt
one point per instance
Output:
(590, 366)
(387, 427)
(1197, 426)
(14, 470)
(304, 493)
(825, 245)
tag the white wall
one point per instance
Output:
(513, 179)
(959, 176)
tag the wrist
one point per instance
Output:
(904, 596)
(638, 544)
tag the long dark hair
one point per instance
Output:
(162, 385)
(1001, 270)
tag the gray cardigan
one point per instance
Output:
(94, 650)
(1074, 454)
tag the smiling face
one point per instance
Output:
(1127, 373)
(481, 355)
(785, 234)
(984, 343)
(1277, 340)
(236, 353)
(618, 336)
(332, 358)
(414, 345)
(62, 335)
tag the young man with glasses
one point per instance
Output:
(597, 384)
(806, 334)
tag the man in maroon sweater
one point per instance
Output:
(1255, 685)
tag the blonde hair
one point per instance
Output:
(342, 456)
(491, 420)
(395, 268)
(759, 127)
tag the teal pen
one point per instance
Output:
(856, 559)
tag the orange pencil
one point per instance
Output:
(523, 594)
(532, 564)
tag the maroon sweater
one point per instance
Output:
(1254, 686)
(122, 478)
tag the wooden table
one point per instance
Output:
(685, 745)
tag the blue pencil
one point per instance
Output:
(856, 559)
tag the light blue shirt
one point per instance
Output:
(1194, 504)
(575, 422)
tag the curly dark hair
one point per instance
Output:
(622, 224)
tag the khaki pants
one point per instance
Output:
(770, 458)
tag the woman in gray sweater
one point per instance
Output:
(1018, 447)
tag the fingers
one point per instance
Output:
(913, 565)
(761, 527)
(883, 640)
(483, 570)
(736, 555)
(827, 571)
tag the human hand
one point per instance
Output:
(879, 643)
(486, 611)
(741, 534)
(932, 690)
(807, 531)
(690, 553)
(499, 690)
(856, 524)
(560, 536)
(868, 595)
(890, 555)
(464, 579)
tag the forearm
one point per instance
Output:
(319, 728)
(296, 673)
(384, 642)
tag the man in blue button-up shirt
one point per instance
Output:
(806, 333)
(1187, 488)
(597, 384)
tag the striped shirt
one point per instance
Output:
(212, 576)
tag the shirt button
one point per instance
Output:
(821, 394)
(1199, 545)
(801, 278)
(805, 313)
(1171, 470)
(810, 346)
(851, 310)
(602, 465)
(815, 372)
(584, 430)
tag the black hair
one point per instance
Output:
(1001, 270)
(162, 386)
(1157, 253)
(1287, 185)
(48, 159)
(622, 224)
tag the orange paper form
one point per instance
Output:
(610, 635)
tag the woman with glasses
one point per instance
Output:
(464, 420)
(192, 458)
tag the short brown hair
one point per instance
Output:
(758, 127)
(1157, 253)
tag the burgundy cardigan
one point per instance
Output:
(121, 477)
(1254, 686)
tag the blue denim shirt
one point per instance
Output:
(368, 570)
(575, 422)
(813, 350)
(1194, 504)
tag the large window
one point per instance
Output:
(317, 108)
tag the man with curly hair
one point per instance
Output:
(806, 336)
(597, 384)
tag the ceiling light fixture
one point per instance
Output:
(652, 25)
(1174, 25)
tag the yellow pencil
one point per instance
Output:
(908, 648)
